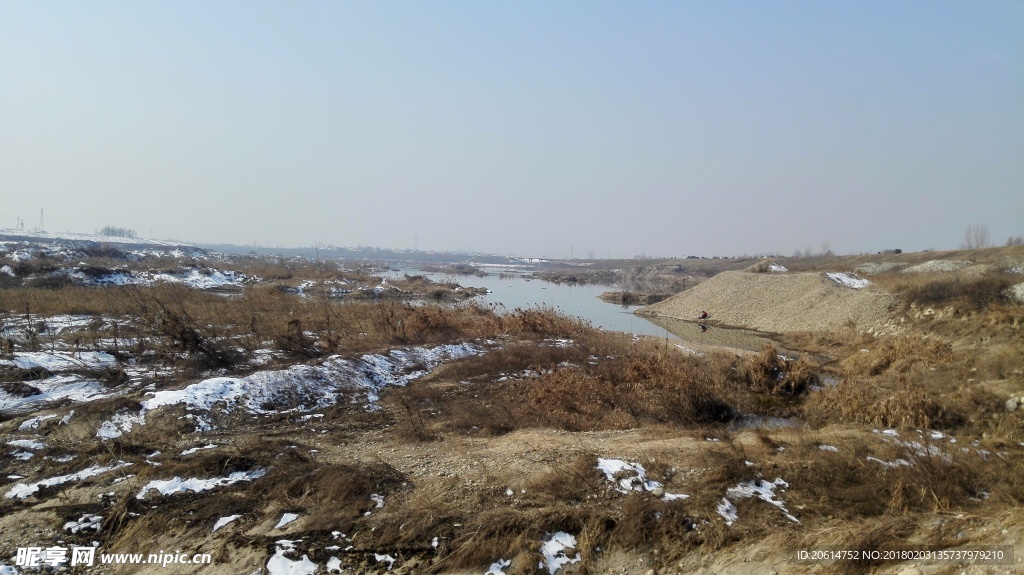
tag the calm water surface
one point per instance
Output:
(582, 301)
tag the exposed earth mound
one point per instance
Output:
(780, 302)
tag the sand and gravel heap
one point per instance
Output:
(780, 302)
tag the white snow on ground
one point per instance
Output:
(728, 511)
(224, 521)
(334, 565)
(53, 325)
(117, 425)
(498, 567)
(688, 350)
(554, 551)
(179, 485)
(214, 279)
(34, 422)
(297, 388)
(759, 488)
(848, 280)
(198, 449)
(76, 237)
(8, 570)
(56, 362)
(23, 455)
(7, 271)
(385, 559)
(777, 269)
(27, 444)
(632, 477)
(281, 565)
(61, 388)
(286, 519)
(194, 278)
(85, 523)
(897, 463)
(23, 490)
(831, 448)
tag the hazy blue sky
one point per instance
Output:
(621, 128)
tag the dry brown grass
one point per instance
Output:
(870, 403)
(941, 289)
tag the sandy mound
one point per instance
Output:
(939, 266)
(777, 302)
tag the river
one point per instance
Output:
(581, 300)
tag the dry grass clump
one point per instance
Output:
(898, 354)
(570, 390)
(652, 388)
(69, 299)
(940, 289)
(868, 402)
(575, 481)
(883, 477)
(768, 372)
(335, 496)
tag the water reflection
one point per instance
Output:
(712, 335)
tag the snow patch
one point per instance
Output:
(179, 485)
(759, 488)
(281, 565)
(334, 565)
(34, 422)
(286, 519)
(385, 559)
(224, 521)
(60, 388)
(498, 567)
(85, 523)
(23, 490)
(297, 388)
(554, 549)
(632, 477)
(57, 362)
(848, 280)
(198, 449)
(27, 444)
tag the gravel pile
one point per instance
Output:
(778, 302)
(879, 267)
(1017, 292)
(939, 266)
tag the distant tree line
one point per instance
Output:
(117, 232)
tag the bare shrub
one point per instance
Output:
(768, 372)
